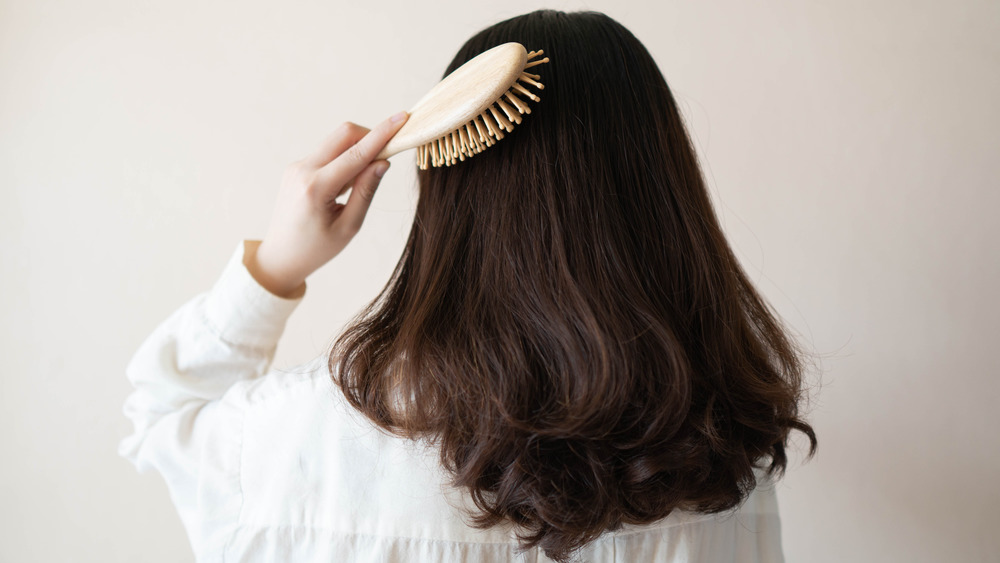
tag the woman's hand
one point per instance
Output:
(308, 227)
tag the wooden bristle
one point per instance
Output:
(525, 91)
(485, 129)
(482, 136)
(491, 125)
(520, 105)
(536, 63)
(470, 138)
(501, 120)
(510, 112)
(527, 80)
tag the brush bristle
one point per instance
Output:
(489, 126)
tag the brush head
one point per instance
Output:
(470, 108)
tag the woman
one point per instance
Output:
(568, 360)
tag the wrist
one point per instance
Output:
(269, 275)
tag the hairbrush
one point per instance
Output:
(471, 108)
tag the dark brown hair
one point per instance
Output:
(567, 321)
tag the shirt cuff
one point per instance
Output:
(241, 311)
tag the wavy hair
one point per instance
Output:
(567, 322)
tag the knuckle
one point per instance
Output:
(355, 155)
(367, 193)
(351, 127)
(312, 185)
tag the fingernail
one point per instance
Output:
(398, 117)
(380, 169)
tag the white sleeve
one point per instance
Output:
(187, 427)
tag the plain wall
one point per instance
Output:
(851, 148)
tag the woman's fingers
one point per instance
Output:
(308, 227)
(354, 211)
(358, 156)
(339, 140)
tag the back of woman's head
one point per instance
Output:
(567, 322)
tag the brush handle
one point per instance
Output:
(460, 97)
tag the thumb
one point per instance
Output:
(362, 193)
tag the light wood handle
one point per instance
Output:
(461, 96)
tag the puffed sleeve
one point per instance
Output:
(187, 406)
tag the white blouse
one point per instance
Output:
(274, 465)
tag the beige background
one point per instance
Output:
(851, 147)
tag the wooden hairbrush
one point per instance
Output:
(470, 108)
